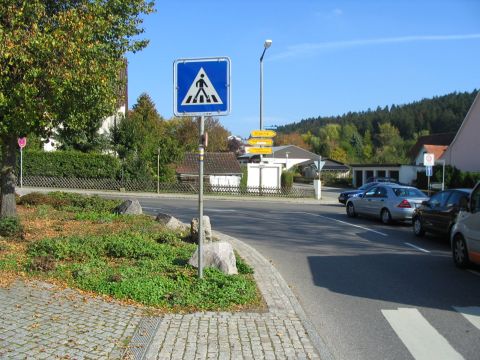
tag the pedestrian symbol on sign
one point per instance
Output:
(201, 91)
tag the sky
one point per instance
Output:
(327, 57)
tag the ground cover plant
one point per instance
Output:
(77, 241)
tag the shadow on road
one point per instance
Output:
(432, 281)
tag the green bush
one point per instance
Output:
(10, 226)
(454, 178)
(70, 164)
(287, 179)
(244, 179)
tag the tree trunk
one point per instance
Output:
(8, 206)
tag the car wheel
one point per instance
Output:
(386, 216)
(351, 210)
(459, 251)
(418, 229)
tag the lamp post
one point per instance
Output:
(266, 45)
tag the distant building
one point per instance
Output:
(434, 143)
(221, 169)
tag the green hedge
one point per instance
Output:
(70, 164)
(454, 178)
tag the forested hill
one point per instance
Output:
(437, 115)
(383, 135)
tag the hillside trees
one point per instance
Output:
(382, 135)
(59, 63)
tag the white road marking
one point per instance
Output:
(471, 313)
(221, 210)
(422, 340)
(340, 221)
(417, 247)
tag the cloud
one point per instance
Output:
(310, 48)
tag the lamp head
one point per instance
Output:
(267, 44)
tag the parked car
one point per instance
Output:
(465, 235)
(439, 213)
(386, 201)
(345, 195)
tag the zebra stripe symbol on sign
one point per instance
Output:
(201, 92)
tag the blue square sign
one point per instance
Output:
(201, 86)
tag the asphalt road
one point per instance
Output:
(372, 291)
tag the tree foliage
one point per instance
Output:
(59, 66)
(142, 139)
(384, 135)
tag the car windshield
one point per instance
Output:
(408, 192)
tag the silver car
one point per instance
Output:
(386, 201)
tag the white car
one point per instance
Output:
(465, 238)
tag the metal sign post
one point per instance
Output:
(201, 153)
(22, 142)
(428, 162)
(201, 87)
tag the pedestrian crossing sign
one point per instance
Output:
(201, 86)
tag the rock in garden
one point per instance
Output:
(170, 222)
(218, 254)
(207, 229)
(129, 207)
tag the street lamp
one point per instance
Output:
(266, 45)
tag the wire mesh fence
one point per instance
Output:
(164, 188)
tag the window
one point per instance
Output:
(381, 192)
(475, 202)
(439, 199)
(454, 199)
(408, 192)
(371, 192)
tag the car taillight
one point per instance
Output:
(404, 204)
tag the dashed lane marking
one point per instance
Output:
(417, 247)
(333, 219)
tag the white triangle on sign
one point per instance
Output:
(202, 92)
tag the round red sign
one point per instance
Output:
(22, 142)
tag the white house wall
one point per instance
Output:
(463, 152)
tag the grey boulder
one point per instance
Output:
(170, 222)
(129, 207)
(207, 229)
(219, 255)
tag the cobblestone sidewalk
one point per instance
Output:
(39, 321)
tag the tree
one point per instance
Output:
(59, 66)
(391, 147)
(186, 130)
(141, 138)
